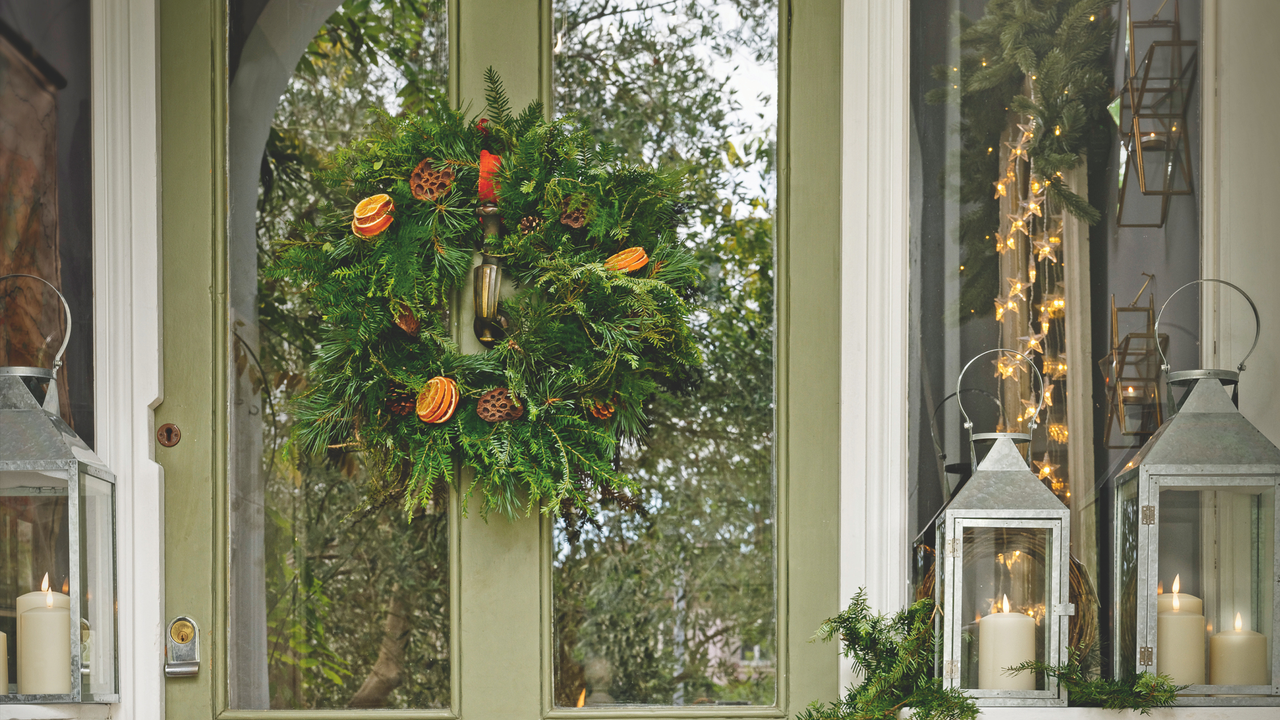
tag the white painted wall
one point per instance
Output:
(873, 304)
(1242, 239)
(126, 247)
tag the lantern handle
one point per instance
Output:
(968, 424)
(942, 453)
(1257, 322)
(66, 337)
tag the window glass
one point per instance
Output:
(668, 596)
(46, 195)
(1054, 207)
(335, 603)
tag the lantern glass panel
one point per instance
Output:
(1218, 544)
(34, 541)
(1004, 563)
(98, 607)
(1127, 565)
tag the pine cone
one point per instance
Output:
(427, 183)
(575, 218)
(530, 224)
(498, 405)
(407, 321)
(400, 401)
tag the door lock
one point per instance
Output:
(182, 648)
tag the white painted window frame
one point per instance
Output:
(875, 279)
(126, 354)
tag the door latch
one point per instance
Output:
(182, 648)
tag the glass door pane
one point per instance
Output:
(668, 597)
(335, 602)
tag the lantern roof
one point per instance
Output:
(1208, 430)
(1004, 482)
(34, 438)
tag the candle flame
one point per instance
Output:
(1239, 623)
(1005, 604)
(1177, 580)
(66, 585)
(44, 585)
(1160, 588)
(582, 697)
(1175, 602)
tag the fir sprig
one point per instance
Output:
(1141, 692)
(582, 335)
(895, 657)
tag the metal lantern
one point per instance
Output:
(1152, 114)
(1132, 372)
(1003, 587)
(1196, 566)
(57, 536)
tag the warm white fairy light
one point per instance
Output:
(1018, 287)
(1030, 213)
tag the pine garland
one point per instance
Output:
(582, 335)
(1060, 48)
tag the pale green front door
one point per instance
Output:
(502, 641)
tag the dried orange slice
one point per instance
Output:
(374, 207)
(438, 400)
(627, 260)
(370, 228)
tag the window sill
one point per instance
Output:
(87, 711)
(1179, 713)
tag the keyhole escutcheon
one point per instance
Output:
(168, 435)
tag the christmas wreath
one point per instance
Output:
(597, 322)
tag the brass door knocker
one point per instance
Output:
(491, 322)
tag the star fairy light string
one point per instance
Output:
(1033, 309)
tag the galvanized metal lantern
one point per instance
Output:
(1196, 566)
(1003, 586)
(57, 538)
(1151, 113)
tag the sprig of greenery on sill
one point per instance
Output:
(1140, 692)
(895, 658)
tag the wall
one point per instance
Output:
(1241, 243)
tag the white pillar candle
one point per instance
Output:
(1239, 657)
(1005, 639)
(1180, 644)
(44, 643)
(1188, 603)
(46, 662)
(4, 664)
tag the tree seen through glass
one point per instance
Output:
(669, 597)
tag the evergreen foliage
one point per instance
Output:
(1141, 692)
(895, 657)
(1060, 50)
(582, 334)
